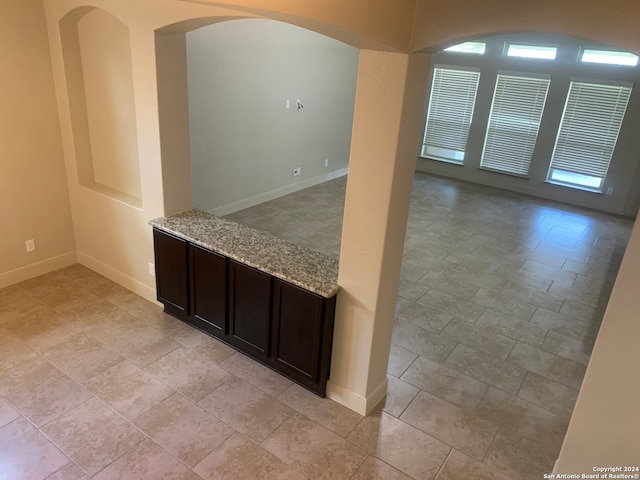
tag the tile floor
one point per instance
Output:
(500, 300)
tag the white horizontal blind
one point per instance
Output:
(591, 122)
(453, 97)
(514, 121)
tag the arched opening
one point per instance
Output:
(258, 109)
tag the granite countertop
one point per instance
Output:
(298, 265)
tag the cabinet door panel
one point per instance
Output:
(297, 329)
(208, 290)
(249, 309)
(171, 272)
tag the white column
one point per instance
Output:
(387, 130)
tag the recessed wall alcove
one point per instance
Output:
(97, 64)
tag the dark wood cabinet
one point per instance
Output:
(208, 291)
(249, 309)
(283, 326)
(171, 273)
(302, 333)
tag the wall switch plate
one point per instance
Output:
(152, 269)
(287, 103)
(326, 162)
(610, 191)
(31, 245)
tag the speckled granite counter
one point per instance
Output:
(298, 265)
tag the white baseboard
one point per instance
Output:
(36, 269)
(355, 402)
(117, 276)
(278, 192)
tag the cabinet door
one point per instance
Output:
(297, 331)
(208, 290)
(249, 309)
(171, 273)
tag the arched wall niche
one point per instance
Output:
(98, 68)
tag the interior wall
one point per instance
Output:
(105, 56)
(626, 158)
(245, 142)
(34, 203)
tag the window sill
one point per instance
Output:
(576, 187)
(443, 160)
(502, 172)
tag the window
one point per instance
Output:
(609, 57)
(477, 48)
(593, 115)
(514, 120)
(531, 51)
(453, 97)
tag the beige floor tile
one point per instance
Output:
(445, 383)
(208, 347)
(533, 296)
(246, 408)
(375, 469)
(191, 374)
(449, 304)
(256, 374)
(142, 346)
(422, 315)
(15, 302)
(128, 389)
(400, 445)
(399, 396)
(146, 461)
(69, 472)
(459, 466)
(119, 296)
(420, 341)
(42, 392)
(239, 458)
(183, 429)
(458, 427)
(7, 412)
(43, 329)
(93, 435)
(548, 394)
(505, 304)
(444, 282)
(567, 347)
(474, 336)
(326, 412)
(313, 450)
(407, 289)
(486, 368)
(61, 296)
(488, 281)
(26, 454)
(14, 353)
(82, 357)
(399, 360)
(548, 365)
(510, 327)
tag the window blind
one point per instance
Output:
(514, 121)
(589, 129)
(451, 104)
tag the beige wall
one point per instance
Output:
(245, 143)
(34, 203)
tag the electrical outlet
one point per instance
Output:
(610, 191)
(297, 171)
(326, 162)
(31, 245)
(152, 269)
